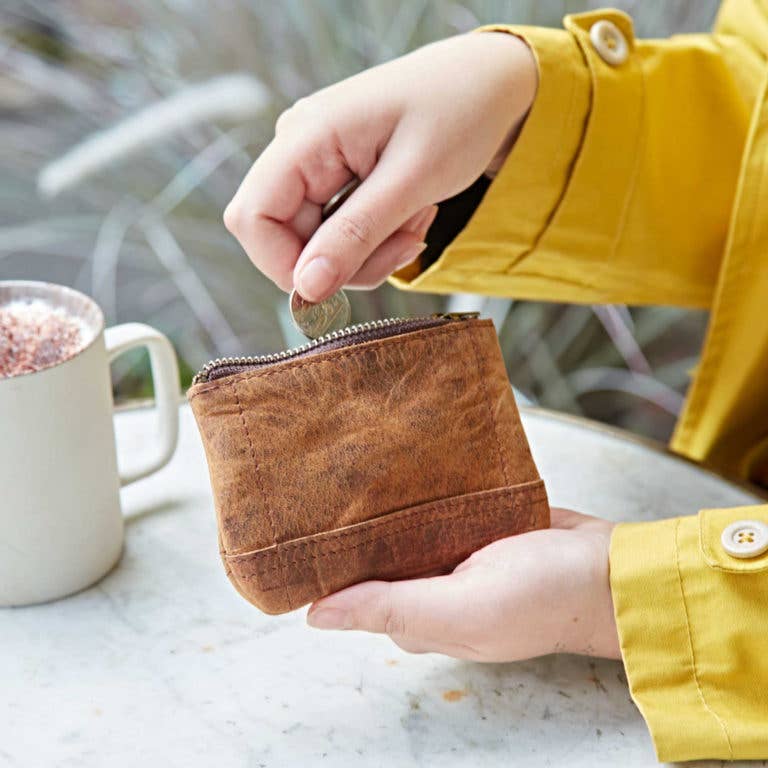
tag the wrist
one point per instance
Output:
(595, 633)
(519, 88)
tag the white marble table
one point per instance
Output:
(163, 664)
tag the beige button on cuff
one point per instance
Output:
(609, 41)
(745, 538)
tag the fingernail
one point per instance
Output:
(423, 221)
(427, 223)
(329, 618)
(316, 279)
(411, 254)
(416, 224)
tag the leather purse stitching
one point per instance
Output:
(256, 471)
(534, 488)
(451, 519)
(481, 498)
(494, 426)
(517, 498)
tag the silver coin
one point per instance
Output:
(340, 198)
(315, 320)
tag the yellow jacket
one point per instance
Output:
(645, 181)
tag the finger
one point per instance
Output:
(272, 196)
(567, 518)
(376, 209)
(419, 612)
(420, 223)
(396, 251)
(272, 246)
(306, 220)
(560, 519)
(309, 218)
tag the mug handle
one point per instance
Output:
(165, 375)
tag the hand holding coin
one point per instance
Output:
(315, 320)
(416, 130)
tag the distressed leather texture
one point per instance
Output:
(386, 459)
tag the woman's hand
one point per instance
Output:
(520, 597)
(416, 130)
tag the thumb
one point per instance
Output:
(419, 615)
(384, 201)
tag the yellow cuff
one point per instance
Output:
(520, 201)
(593, 204)
(693, 627)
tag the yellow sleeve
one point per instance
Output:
(693, 626)
(620, 185)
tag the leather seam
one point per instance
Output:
(267, 510)
(481, 379)
(332, 357)
(449, 518)
(522, 490)
(696, 679)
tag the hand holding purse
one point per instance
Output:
(387, 450)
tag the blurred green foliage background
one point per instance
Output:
(125, 127)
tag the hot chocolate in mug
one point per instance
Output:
(61, 526)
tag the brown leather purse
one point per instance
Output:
(387, 450)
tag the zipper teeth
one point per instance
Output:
(278, 356)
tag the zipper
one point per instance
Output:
(352, 334)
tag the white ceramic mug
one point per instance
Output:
(61, 526)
